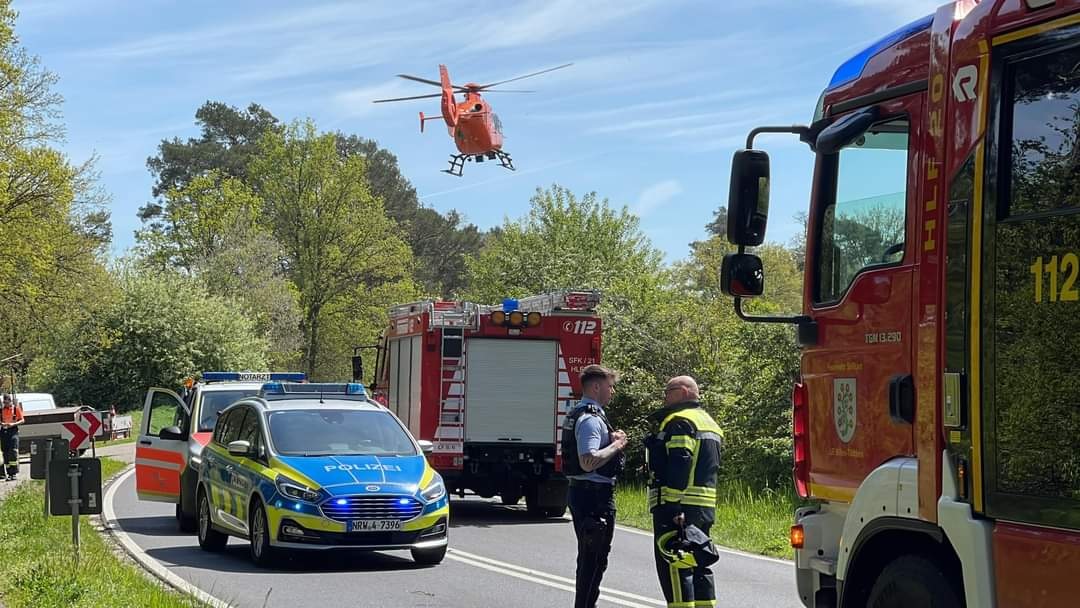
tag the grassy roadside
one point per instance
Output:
(757, 522)
(39, 569)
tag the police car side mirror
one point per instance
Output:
(426, 446)
(171, 432)
(240, 448)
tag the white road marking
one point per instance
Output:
(152, 565)
(764, 558)
(614, 596)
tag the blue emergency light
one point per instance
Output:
(314, 390)
(253, 376)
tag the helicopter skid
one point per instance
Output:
(457, 161)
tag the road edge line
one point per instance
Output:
(540, 581)
(111, 526)
(555, 577)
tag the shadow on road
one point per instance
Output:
(474, 513)
(235, 559)
(151, 525)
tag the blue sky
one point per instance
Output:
(660, 95)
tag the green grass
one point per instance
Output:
(40, 571)
(753, 521)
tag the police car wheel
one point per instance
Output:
(186, 524)
(429, 557)
(261, 551)
(209, 538)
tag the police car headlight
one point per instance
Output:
(435, 490)
(296, 491)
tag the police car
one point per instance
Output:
(175, 427)
(319, 466)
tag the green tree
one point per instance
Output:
(335, 234)
(228, 144)
(53, 223)
(571, 242)
(157, 329)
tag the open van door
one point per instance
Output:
(161, 454)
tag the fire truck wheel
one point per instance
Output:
(913, 580)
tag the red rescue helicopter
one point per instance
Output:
(476, 129)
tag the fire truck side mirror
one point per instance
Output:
(847, 130)
(742, 275)
(748, 198)
(357, 368)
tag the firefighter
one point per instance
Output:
(11, 416)
(683, 457)
(592, 459)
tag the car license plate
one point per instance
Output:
(374, 525)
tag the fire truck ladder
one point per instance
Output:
(564, 300)
(453, 318)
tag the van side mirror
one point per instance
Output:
(742, 275)
(847, 130)
(357, 368)
(748, 198)
(426, 446)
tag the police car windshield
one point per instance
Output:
(215, 401)
(335, 432)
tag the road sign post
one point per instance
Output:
(78, 494)
(74, 474)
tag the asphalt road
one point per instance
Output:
(498, 557)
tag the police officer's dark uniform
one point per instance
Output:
(683, 457)
(11, 416)
(592, 501)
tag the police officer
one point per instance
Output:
(592, 458)
(683, 455)
(11, 416)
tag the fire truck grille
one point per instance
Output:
(345, 508)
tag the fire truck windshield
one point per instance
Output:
(863, 224)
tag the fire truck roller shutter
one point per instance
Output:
(403, 396)
(510, 390)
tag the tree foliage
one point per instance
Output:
(334, 232)
(156, 330)
(227, 146)
(53, 221)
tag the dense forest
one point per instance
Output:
(271, 244)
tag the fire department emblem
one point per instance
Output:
(844, 408)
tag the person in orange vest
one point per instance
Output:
(11, 416)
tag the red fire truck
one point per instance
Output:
(489, 386)
(937, 418)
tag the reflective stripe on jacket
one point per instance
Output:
(684, 457)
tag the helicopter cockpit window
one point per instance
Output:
(498, 123)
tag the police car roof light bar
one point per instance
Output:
(253, 376)
(353, 391)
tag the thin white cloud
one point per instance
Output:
(358, 102)
(547, 21)
(897, 9)
(656, 196)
